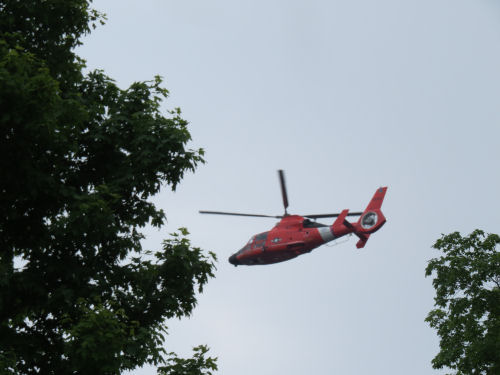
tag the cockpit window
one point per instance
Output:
(260, 240)
(257, 241)
(261, 236)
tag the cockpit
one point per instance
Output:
(256, 242)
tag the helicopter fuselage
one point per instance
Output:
(287, 240)
(295, 235)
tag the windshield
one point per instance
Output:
(257, 241)
(261, 236)
(258, 238)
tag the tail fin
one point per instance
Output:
(377, 199)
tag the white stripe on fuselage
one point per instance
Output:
(326, 234)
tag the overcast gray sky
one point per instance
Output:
(346, 96)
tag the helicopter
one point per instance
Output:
(295, 235)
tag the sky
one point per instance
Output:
(345, 96)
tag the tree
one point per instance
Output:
(198, 365)
(467, 314)
(79, 160)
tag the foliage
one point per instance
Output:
(467, 314)
(198, 365)
(79, 159)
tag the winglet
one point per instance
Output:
(339, 222)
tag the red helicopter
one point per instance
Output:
(295, 235)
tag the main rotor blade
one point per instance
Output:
(320, 216)
(283, 188)
(237, 214)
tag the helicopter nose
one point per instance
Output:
(233, 260)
